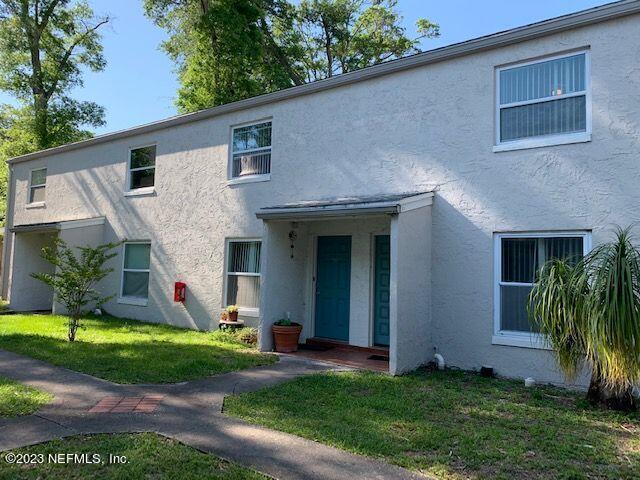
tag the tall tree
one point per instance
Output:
(340, 36)
(227, 50)
(44, 45)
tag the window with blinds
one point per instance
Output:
(243, 274)
(520, 259)
(251, 147)
(545, 98)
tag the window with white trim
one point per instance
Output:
(546, 98)
(519, 258)
(251, 150)
(37, 185)
(135, 270)
(142, 167)
(243, 274)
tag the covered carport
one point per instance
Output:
(24, 292)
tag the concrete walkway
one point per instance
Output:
(190, 412)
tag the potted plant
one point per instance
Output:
(286, 335)
(232, 312)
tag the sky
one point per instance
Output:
(139, 86)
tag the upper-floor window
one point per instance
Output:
(251, 150)
(37, 185)
(142, 167)
(519, 257)
(544, 102)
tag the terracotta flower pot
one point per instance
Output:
(233, 316)
(286, 337)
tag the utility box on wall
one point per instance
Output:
(180, 292)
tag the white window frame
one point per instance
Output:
(545, 140)
(141, 302)
(261, 177)
(132, 192)
(516, 338)
(31, 204)
(244, 311)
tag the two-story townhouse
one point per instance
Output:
(405, 205)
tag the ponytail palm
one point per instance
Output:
(589, 311)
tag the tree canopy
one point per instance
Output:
(227, 50)
(44, 45)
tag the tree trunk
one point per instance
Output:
(73, 327)
(41, 120)
(600, 394)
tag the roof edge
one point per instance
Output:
(609, 11)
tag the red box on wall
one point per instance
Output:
(180, 292)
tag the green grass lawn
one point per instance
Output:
(17, 399)
(147, 455)
(452, 424)
(128, 351)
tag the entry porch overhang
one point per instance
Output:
(347, 206)
(290, 283)
(50, 227)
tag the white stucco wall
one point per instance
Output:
(410, 300)
(85, 236)
(285, 291)
(426, 128)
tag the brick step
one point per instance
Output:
(324, 342)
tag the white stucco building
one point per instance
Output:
(405, 205)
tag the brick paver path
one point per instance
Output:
(189, 412)
(146, 404)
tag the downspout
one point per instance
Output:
(7, 244)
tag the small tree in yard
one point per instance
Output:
(75, 277)
(589, 312)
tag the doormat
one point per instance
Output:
(315, 348)
(382, 358)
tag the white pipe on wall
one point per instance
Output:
(439, 361)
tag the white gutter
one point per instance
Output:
(332, 211)
(583, 18)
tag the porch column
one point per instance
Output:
(282, 280)
(410, 297)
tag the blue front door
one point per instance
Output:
(381, 290)
(333, 286)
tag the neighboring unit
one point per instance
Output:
(404, 206)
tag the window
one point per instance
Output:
(142, 168)
(135, 272)
(37, 185)
(243, 275)
(251, 150)
(544, 102)
(518, 260)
